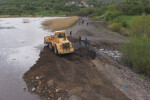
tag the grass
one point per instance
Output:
(59, 24)
(51, 13)
(127, 18)
(136, 54)
(140, 25)
(41, 13)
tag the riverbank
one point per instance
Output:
(70, 77)
(88, 73)
(18, 53)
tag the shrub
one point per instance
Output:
(140, 25)
(118, 27)
(147, 10)
(136, 54)
(84, 12)
(115, 27)
(122, 21)
(136, 11)
(110, 15)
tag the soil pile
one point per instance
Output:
(69, 77)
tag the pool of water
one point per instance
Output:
(20, 45)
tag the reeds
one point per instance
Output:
(61, 23)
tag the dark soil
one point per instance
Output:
(71, 75)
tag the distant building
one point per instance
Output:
(84, 3)
(92, 6)
(69, 3)
(80, 4)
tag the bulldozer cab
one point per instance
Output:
(61, 34)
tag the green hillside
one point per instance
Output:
(34, 7)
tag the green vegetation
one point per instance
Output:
(117, 27)
(136, 53)
(127, 17)
(35, 7)
(131, 18)
(118, 14)
(112, 9)
(111, 15)
(140, 25)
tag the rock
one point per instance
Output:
(39, 89)
(102, 49)
(50, 83)
(59, 98)
(33, 89)
(40, 83)
(39, 77)
(48, 98)
(57, 90)
(73, 97)
(24, 89)
(32, 81)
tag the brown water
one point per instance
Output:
(20, 45)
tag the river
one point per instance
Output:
(21, 40)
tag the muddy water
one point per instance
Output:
(20, 45)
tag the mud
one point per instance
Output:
(71, 77)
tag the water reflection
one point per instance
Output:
(20, 45)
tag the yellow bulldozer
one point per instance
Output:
(59, 43)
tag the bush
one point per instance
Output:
(122, 21)
(136, 11)
(140, 25)
(110, 15)
(115, 27)
(147, 10)
(136, 54)
(118, 27)
(84, 12)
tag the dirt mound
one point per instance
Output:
(86, 52)
(69, 77)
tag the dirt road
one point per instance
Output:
(76, 75)
(92, 33)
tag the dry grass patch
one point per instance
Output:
(58, 24)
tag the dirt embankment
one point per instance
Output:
(92, 33)
(73, 76)
(69, 77)
(81, 76)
